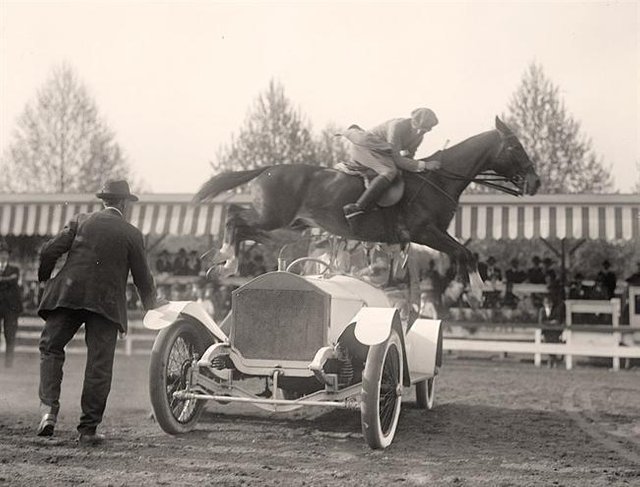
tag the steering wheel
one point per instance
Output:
(308, 259)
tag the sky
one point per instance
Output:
(174, 80)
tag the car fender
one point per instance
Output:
(164, 316)
(373, 325)
(423, 347)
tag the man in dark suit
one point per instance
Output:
(101, 247)
(535, 274)
(607, 279)
(10, 301)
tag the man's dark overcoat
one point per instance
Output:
(102, 247)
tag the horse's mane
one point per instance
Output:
(451, 151)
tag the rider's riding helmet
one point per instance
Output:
(424, 119)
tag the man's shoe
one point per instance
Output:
(47, 425)
(91, 439)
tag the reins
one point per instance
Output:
(489, 179)
(434, 186)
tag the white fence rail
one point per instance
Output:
(579, 341)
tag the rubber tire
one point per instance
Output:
(425, 393)
(372, 431)
(158, 369)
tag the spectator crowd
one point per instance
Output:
(506, 294)
(181, 276)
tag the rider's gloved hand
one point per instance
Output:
(429, 165)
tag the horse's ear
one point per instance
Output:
(502, 127)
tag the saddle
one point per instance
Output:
(390, 197)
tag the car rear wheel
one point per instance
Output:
(172, 356)
(425, 393)
(382, 392)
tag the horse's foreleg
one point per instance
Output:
(467, 269)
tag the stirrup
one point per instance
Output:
(352, 210)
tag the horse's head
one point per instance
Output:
(511, 161)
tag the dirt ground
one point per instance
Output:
(494, 424)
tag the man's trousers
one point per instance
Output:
(100, 336)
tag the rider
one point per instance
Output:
(384, 149)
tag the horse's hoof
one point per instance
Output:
(230, 268)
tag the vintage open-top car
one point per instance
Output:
(327, 339)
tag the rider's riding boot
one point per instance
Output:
(370, 196)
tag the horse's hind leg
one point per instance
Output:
(242, 224)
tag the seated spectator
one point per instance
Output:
(514, 275)
(163, 263)
(180, 263)
(598, 292)
(551, 313)
(577, 290)
(493, 273)
(535, 274)
(510, 300)
(550, 275)
(607, 280)
(193, 264)
(178, 292)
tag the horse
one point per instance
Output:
(287, 193)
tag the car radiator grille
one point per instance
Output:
(279, 324)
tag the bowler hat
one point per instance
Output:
(116, 189)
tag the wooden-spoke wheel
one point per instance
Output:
(382, 392)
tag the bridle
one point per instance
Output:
(490, 178)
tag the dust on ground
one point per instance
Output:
(494, 424)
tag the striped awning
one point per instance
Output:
(155, 214)
(608, 217)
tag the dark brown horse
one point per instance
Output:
(283, 194)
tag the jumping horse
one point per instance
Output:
(284, 194)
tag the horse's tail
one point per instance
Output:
(225, 181)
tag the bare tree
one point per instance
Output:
(274, 132)
(563, 156)
(60, 143)
(330, 147)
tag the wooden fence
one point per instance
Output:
(611, 341)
